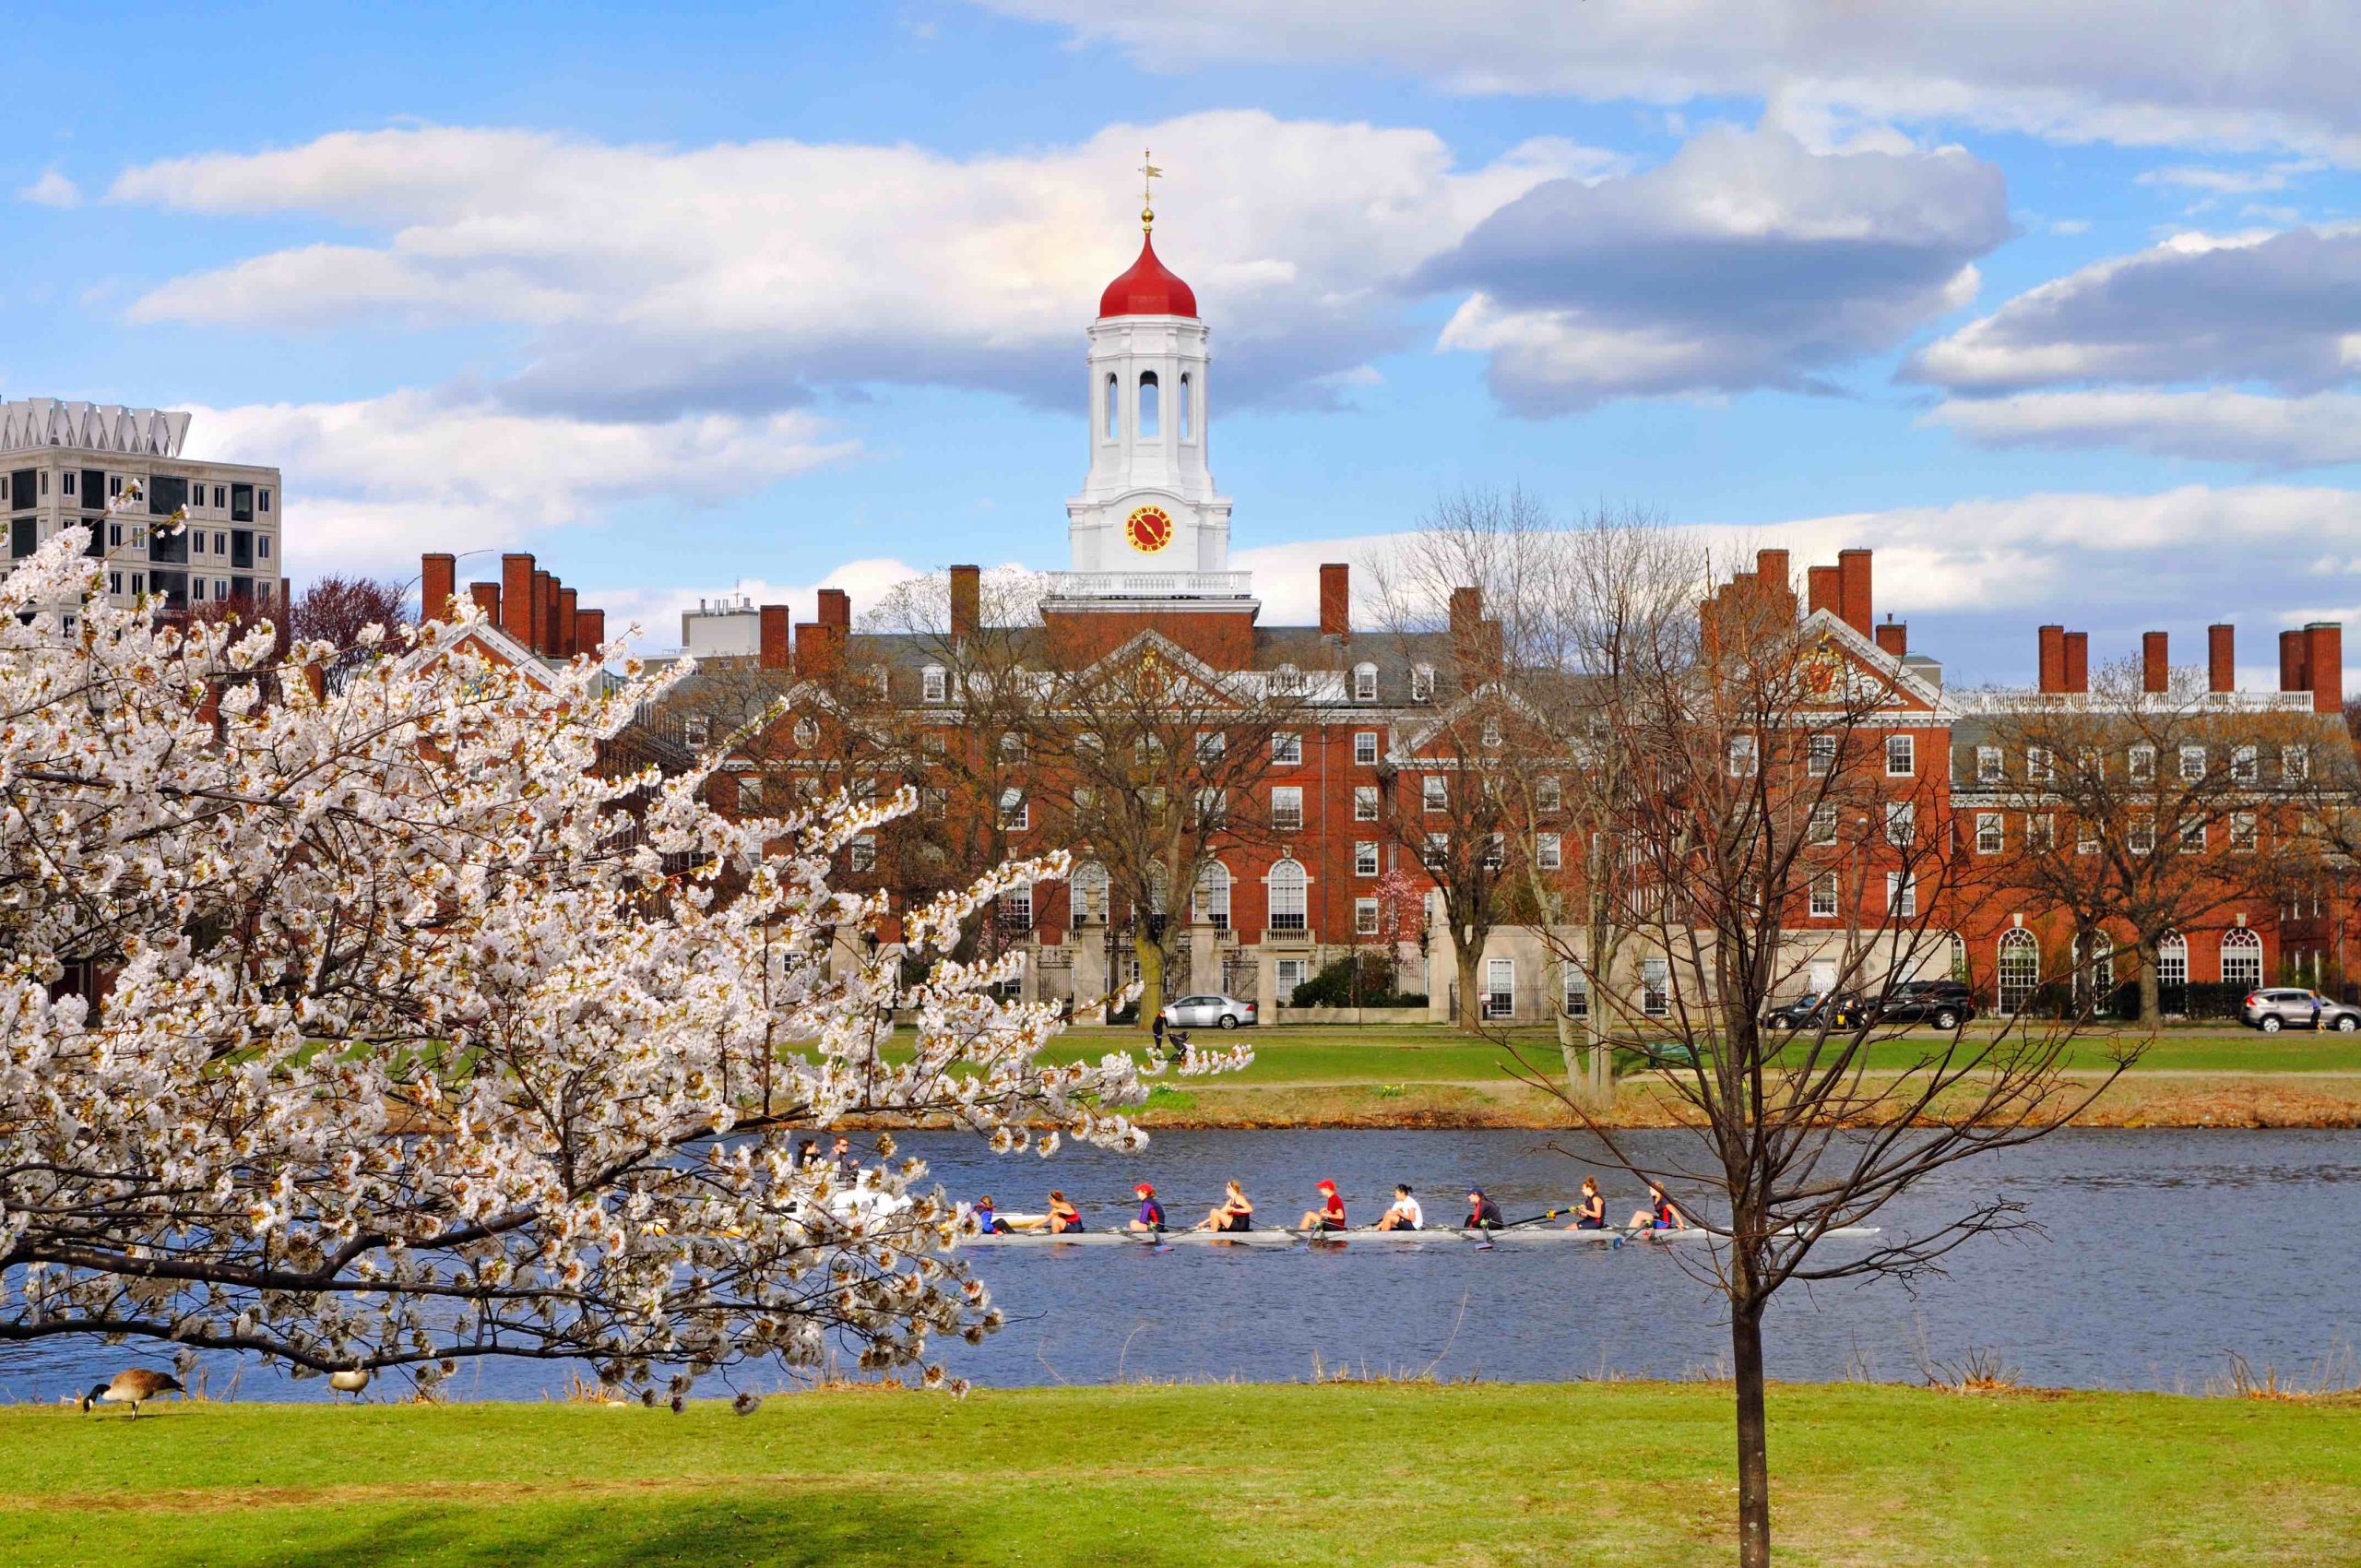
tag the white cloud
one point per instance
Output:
(1747, 260)
(53, 189)
(2226, 182)
(649, 618)
(2239, 427)
(372, 483)
(738, 274)
(2145, 73)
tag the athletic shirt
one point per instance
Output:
(1408, 1208)
(1485, 1213)
(1151, 1212)
(1333, 1208)
(1664, 1213)
(984, 1218)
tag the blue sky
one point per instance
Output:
(2061, 315)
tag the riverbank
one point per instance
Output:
(1370, 1473)
(1433, 1076)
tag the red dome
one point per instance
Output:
(1148, 289)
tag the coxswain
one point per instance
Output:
(1405, 1215)
(1483, 1214)
(1590, 1214)
(987, 1222)
(1151, 1219)
(1662, 1213)
(1330, 1215)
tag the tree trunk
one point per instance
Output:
(2152, 999)
(1469, 956)
(1151, 956)
(1753, 1438)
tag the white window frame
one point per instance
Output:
(1820, 755)
(1365, 748)
(1496, 852)
(2192, 764)
(2246, 766)
(1821, 827)
(862, 853)
(2295, 764)
(2142, 838)
(1547, 794)
(697, 732)
(1547, 852)
(1364, 682)
(1422, 682)
(1902, 756)
(1212, 745)
(1364, 802)
(1290, 896)
(1015, 810)
(1901, 897)
(1991, 832)
(2243, 836)
(2142, 762)
(1745, 756)
(1364, 917)
(1438, 852)
(1823, 897)
(1901, 823)
(934, 685)
(1576, 998)
(1656, 988)
(2193, 838)
(1286, 748)
(2041, 768)
(1365, 858)
(1434, 794)
(1287, 808)
(1989, 769)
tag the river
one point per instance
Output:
(2164, 1252)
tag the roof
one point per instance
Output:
(1148, 289)
(29, 423)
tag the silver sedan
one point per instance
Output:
(1208, 1010)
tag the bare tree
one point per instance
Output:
(334, 609)
(1759, 780)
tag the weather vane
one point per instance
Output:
(1149, 173)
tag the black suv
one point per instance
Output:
(1840, 1010)
(1946, 1003)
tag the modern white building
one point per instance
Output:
(63, 463)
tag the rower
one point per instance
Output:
(1405, 1215)
(1064, 1219)
(1151, 1219)
(1330, 1215)
(987, 1222)
(1483, 1214)
(848, 1164)
(1591, 1213)
(1234, 1213)
(1662, 1213)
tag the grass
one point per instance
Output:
(1370, 1473)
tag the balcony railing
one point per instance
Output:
(1151, 585)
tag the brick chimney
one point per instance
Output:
(486, 598)
(966, 602)
(835, 609)
(2053, 659)
(2324, 664)
(562, 635)
(2077, 661)
(1466, 610)
(1853, 586)
(438, 576)
(1823, 589)
(2221, 659)
(538, 611)
(589, 631)
(2292, 676)
(1335, 600)
(2156, 672)
(1893, 637)
(516, 597)
(816, 647)
(1771, 570)
(776, 652)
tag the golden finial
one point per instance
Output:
(1149, 172)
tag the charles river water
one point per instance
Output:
(2164, 1252)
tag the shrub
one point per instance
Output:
(1339, 985)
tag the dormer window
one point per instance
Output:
(807, 733)
(1364, 682)
(1288, 680)
(697, 732)
(1422, 682)
(932, 684)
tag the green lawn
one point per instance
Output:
(1594, 1473)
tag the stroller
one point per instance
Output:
(1176, 1045)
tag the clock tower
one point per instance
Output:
(1148, 523)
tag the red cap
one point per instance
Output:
(1144, 1189)
(1326, 1187)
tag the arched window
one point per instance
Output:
(2020, 968)
(1187, 412)
(2172, 968)
(1089, 887)
(1114, 406)
(1151, 395)
(2095, 973)
(2241, 957)
(1288, 904)
(1211, 903)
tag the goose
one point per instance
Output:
(351, 1380)
(133, 1386)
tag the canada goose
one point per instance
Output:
(133, 1386)
(351, 1380)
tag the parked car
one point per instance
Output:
(1843, 1009)
(1946, 1003)
(2286, 1007)
(1209, 1010)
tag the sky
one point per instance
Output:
(2059, 309)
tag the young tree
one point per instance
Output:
(375, 1029)
(1758, 768)
(335, 610)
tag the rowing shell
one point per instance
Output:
(1339, 1238)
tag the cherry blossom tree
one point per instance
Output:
(365, 1024)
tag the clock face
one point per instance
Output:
(1148, 528)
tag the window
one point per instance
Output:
(1086, 800)
(1209, 905)
(1015, 810)
(1365, 857)
(1987, 832)
(1496, 852)
(2020, 968)
(2192, 762)
(1212, 745)
(1901, 897)
(1364, 917)
(196, 588)
(1016, 909)
(2142, 836)
(66, 485)
(1823, 897)
(2243, 768)
(1287, 900)
(1500, 988)
(2144, 765)
(2041, 831)
(1364, 802)
(2242, 835)
(1901, 822)
(934, 804)
(862, 853)
(1114, 404)
(2172, 966)
(221, 497)
(2086, 835)
(1901, 756)
(1011, 746)
(262, 546)
(1147, 751)
(695, 731)
(1822, 828)
(2295, 764)
(2192, 837)
(1742, 756)
(1288, 680)
(1089, 886)
(1291, 973)
(1150, 396)
(262, 501)
(1286, 809)
(1364, 682)
(1438, 853)
(1656, 988)
(1186, 412)
(114, 484)
(1213, 810)
(221, 544)
(2241, 957)
(1820, 755)
(1422, 682)
(1546, 794)
(1286, 748)
(114, 582)
(138, 582)
(933, 742)
(1434, 791)
(934, 687)
(2039, 768)
(114, 536)
(1492, 732)
(1547, 855)
(1987, 765)
(1365, 748)
(1577, 994)
(1089, 743)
